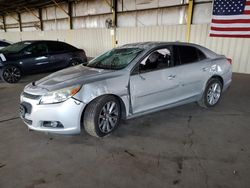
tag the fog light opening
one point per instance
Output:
(52, 124)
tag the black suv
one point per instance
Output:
(28, 57)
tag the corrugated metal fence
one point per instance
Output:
(93, 41)
(96, 41)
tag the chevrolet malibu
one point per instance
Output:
(125, 82)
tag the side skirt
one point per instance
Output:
(179, 103)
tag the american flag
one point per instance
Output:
(231, 18)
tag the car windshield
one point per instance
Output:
(115, 59)
(15, 48)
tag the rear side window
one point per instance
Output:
(68, 47)
(187, 54)
(55, 47)
(201, 55)
(60, 47)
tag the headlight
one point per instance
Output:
(59, 95)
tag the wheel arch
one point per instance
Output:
(219, 78)
(122, 105)
(205, 84)
(15, 65)
(3, 69)
(71, 59)
(201, 100)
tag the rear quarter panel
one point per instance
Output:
(78, 55)
(221, 67)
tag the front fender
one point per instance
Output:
(117, 86)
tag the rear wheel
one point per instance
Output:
(11, 74)
(102, 116)
(74, 62)
(212, 93)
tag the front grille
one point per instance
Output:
(30, 96)
(27, 106)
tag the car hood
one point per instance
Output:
(69, 77)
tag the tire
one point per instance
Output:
(212, 93)
(97, 121)
(74, 62)
(11, 74)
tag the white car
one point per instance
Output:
(125, 82)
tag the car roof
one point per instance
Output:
(36, 41)
(152, 44)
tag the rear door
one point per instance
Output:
(59, 56)
(35, 58)
(192, 68)
(153, 83)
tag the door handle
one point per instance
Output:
(41, 57)
(142, 77)
(170, 77)
(41, 63)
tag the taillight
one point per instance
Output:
(229, 61)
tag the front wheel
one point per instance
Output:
(11, 74)
(102, 116)
(212, 93)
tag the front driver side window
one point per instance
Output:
(37, 49)
(159, 59)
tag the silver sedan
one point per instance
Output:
(125, 82)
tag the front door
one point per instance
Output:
(35, 58)
(154, 83)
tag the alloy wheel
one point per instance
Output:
(108, 117)
(11, 74)
(74, 63)
(213, 94)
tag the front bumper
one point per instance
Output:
(68, 113)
